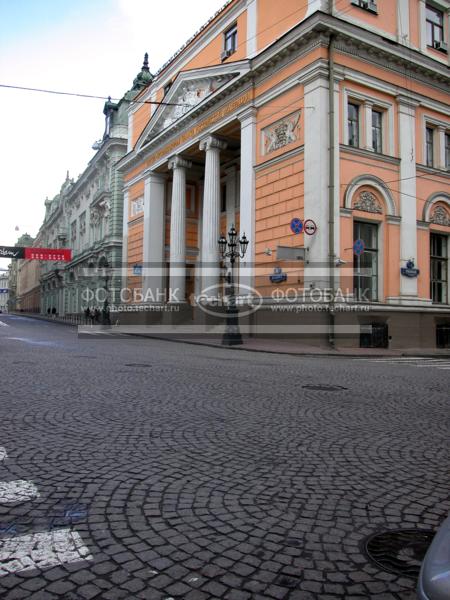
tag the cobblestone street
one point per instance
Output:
(142, 469)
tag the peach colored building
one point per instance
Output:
(321, 129)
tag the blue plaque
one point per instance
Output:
(278, 276)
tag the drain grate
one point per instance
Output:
(400, 552)
(138, 365)
(324, 388)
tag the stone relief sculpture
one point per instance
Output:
(281, 133)
(440, 217)
(367, 202)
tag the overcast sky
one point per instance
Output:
(84, 46)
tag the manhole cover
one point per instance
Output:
(324, 388)
(138, 365)
(400, 552)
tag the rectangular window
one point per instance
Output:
(430, 146)
(435, 26)
(353, 124)
(365, 266)
(377, 131)
(438, 268)
(229, 41)
(447, 150)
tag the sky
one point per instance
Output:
(84, 46)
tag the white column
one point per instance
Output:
(441, 147)
(247, 194)
(211, 212)
(316, 159)
(231, 193)
(423, 25)
(368, 124)
(124, 266)
(252, 24)
(177, 284)
(403, 21)
(408, 202)
(154, 226)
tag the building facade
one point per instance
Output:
(322, 131)
(87, 217)
(4, 291)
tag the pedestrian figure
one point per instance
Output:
(54, 312)
(87, 314)
(48, 311)
(105, 314)
(96, 315)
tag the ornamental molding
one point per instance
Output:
(440, 216)
(367, 202)
(281, 133)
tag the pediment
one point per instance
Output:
(189, 90)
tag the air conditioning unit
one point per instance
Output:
(225, 54)
(369, 5)
(440, 46)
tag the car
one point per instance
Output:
(434, 577)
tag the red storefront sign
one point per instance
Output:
(54, 254)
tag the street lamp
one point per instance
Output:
(232, 248)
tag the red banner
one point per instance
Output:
(54, 254)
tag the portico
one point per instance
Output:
(189, 200)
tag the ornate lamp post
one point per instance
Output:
(232, 249)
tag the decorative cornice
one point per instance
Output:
(369, 154)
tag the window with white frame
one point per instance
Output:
(137, 206)
(377, 131)
(365, 265)
(447, 151)
(435, 26)
(439, 268)
(353, 124)
(229, 41)
(429, 146)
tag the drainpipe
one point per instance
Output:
(331, 187)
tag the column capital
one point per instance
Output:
(212, 142)
(249, 113)
(406, 101)
(154, 177)
(178, 162)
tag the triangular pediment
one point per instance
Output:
(189, 90)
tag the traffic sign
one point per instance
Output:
(310, 227)
(296, 226)
(359, 247)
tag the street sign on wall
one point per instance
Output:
(12, 252)
(53, 254)
(309, 227)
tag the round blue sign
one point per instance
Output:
(296, 226)
(359, 247)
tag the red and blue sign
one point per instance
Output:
(359, 247)
(296, 226)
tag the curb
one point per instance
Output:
(335, 354)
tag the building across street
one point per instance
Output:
(321, 131)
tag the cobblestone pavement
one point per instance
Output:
(143, 469)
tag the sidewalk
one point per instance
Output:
(267, 345)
